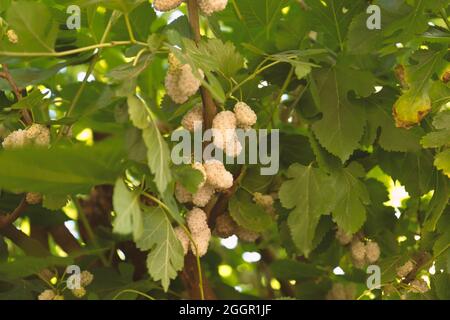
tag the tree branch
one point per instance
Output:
(209, 107)
(10, 218)
(27, 118)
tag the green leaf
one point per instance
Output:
(127, 207)
(24, 266)
(436, 139)
(158, 156)
(442, 162)
(247, 213)
(294, 270)
(442, 120)
(138, 112)
(54, 201)
(60, 170)
(166, 254)
(342, 125)
(34, 25)
(189, 177)
(437, 204)
(352, 196)
(309, 192)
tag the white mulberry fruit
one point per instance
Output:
(197, 220)
(201, 239)
(203, 195)
(33, 198)
(12, 36)
(343, 237)
(47, 295)
(224, 120)
(225, 226)
(183, 238)
(419, 286)
(217, 175)
(193, 119)
(340, 291)
(246, 235)
(208, 7)
(372, 252)
(245, 116)
(79, 293)
(166, 5)
(86, 278)
(405, 269)
(181, 194)
(358, 251)
(16, 139)
(181, 83)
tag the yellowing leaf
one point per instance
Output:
(411, 108)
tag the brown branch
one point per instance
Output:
(209, 107)
(30, 246)
(268, 257)
(65, 239)
(189, 276)
(10, 218)
(26, 115)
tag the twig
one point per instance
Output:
(209, 107)
(8, 77)
(10, 218)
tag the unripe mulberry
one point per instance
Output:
(405, 269)
(33, 198)
(86, 278)
(217, 176)
(166, 5)
(181, 194)
(47, 295)
(358, 250)
(245, 116)
(193, 119)
(183, 238)
(246, 235)
(419, 286)
(225, 226)
(197, 220)
(198, 166)
(372, 252)
(208, 7)
(79, 293)
(12, 36)
(203, 195)
(343, 237)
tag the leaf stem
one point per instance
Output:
(133, 291)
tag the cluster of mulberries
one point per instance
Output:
(339, 291)
(181, 83)
(197, 222)
(85, 279)
(166, 5)
(50, 295)
(193, 120)
(215, 178)
(225, 124)
(363, 254)
(35, 135)
(208, 7)
(226, 227)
